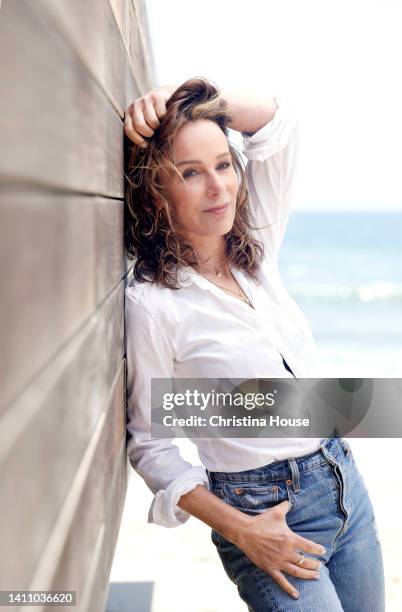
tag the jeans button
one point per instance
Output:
(289, 481)
(238, 490)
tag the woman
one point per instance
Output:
(290, 517)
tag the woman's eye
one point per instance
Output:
(190, 173)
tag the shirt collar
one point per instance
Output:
(186, 276)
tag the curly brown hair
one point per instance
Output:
(151, 238)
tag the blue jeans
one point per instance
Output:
(329, 505)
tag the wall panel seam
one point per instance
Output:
(59, 350)
(17, 182)
(140, 85)
(59, 533)
(65, 34)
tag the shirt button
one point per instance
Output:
(238, 490)
(289, 481)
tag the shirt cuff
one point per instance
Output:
(164, 509)
(274, 135)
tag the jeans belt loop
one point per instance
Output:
(295, 475)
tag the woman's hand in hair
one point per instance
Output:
(142, 117)
(273, 546)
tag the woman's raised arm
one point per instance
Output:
(250, 113)
(142, 117)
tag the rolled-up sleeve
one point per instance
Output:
(158, 461)
(271, 172)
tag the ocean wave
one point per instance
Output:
(367, 292)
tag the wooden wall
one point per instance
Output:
(68, 68)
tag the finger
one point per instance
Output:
(307, 545)
(139, 123)
(150, 114)
(160, 106)
(131, 133)
(283, 507)
(308, 563)
(300, 572)
(284, 583)
(128, 125)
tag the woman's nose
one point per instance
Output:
(215, 184)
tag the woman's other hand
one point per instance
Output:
(271, 545)
(142, 117)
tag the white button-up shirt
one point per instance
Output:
(199, 331)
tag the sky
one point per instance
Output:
(336, 63)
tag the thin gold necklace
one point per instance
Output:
(218, 270)
(241, 295)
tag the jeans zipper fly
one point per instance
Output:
(339, 478)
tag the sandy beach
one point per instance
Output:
(178, 570)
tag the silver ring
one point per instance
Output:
(301, 560)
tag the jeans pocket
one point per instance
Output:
(217, 490)
(254, 498)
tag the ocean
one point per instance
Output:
(344, 269)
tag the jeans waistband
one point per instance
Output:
(285, 468)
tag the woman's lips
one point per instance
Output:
(218, 211)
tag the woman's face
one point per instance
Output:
(202, 157)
